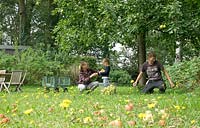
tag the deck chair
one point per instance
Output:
(2, 81)
(49, 82)
(63, 82)
(17, 78)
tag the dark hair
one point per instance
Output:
(106, 60)
(151, 54)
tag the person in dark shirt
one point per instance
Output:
(85, 76)
(153, 70)
(104, 73)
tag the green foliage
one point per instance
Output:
(7, 61)
(38, 63)
(186, 74)
(120, 77)
(35, 62)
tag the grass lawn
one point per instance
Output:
(35, 109)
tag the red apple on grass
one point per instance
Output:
(116, 123)
(131, 123)
(129, 107)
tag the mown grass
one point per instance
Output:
(181, 109)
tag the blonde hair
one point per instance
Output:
(106, 60)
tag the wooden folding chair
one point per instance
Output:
(2, 80)
(17, 78)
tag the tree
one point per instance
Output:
(25, 16)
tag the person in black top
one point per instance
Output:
(104, 73)
(153, 70)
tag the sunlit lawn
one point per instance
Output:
(35, 109)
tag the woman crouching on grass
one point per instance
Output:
(153, 70)
(85, 76)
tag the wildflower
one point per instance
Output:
(127, 101)
(177, 107)
(65, 103)
(29, 111)
(152, 105)
(193, 121)
(87, 120)
(32, 122)
(141, 115)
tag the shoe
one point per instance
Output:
(65, 90)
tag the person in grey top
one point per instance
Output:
(153, 70)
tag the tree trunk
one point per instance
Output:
(29, 13)
(22, 21)
(25, 16)
(51, 21)
(141, 54)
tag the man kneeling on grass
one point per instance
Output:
(153, 70)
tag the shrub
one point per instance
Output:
(186, 74)
(38, 63)
(35, 62)
(7, 61)
(120, 76)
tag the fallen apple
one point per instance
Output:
(5, 120)
(2, 116)
(129, 107)
(131, 123)
(162, 123)
(116, 123)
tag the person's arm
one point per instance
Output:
(168, 78)
(106, 72)
(138, 78)
(93, 75)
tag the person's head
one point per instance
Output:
(106, 62)
(84, 66)
(151, 57)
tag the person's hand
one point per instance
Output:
(134, 84)
(172, 85)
